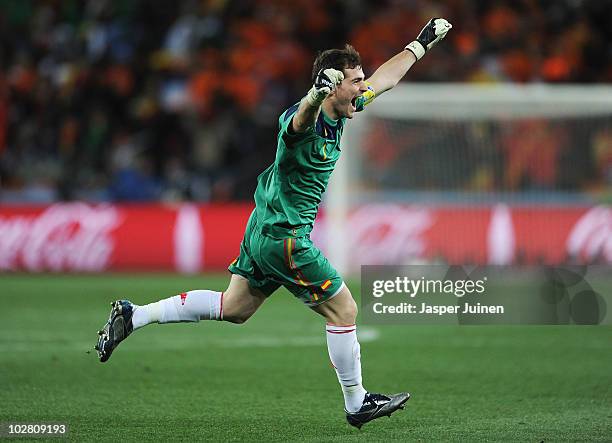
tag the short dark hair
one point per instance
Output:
(340, 59)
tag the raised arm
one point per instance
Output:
(310, 106)
(391, 72)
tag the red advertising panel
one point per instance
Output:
(194, 238)
(92, 238)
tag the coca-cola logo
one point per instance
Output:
(64, 237)
(388, 234)
(591, 238)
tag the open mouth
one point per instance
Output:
(354, 102)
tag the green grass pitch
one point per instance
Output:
(271, 380)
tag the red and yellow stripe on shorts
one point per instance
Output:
(289, 246)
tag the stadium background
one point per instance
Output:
(131, 135)
(173, 102)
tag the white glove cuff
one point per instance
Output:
(416, 48)
(314, 98)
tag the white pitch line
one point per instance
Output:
(366, 335)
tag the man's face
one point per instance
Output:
(347, 92)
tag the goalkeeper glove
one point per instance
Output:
(434, 31)
(325, 82)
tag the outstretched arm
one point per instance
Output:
(310, 106)
(391, 72)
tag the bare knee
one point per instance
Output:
(340, 310)
(236, 308)
(240, 301)
(348, 314)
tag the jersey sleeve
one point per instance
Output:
(285, 131)
(365, 99)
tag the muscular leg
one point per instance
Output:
(343, 347)
(236, 305)
(340, 310)
(240, 301)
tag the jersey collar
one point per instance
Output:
(328, 120)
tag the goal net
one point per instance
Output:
(471, 174)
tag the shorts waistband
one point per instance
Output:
(283, 232)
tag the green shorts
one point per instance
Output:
(269, 260)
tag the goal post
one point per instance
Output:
(471, 147)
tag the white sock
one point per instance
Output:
(344, 353)
(189, 306)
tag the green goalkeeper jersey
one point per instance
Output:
(289, 192)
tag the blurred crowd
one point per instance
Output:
(145, 100)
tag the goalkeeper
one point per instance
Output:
(276, 249)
